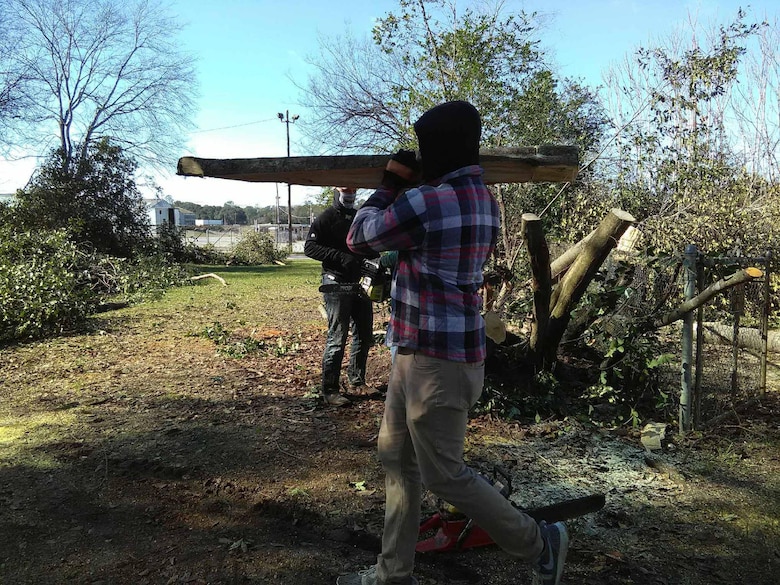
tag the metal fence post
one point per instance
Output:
(690, 272)
(699, 345)
(765, 323)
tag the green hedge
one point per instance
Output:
(42, 284)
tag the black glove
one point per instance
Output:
(351, 263)
(402, 170)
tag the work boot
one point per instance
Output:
(556, 544)
(336, 399)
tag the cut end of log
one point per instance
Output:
(623, 215)
(753, 272)
(189, 167)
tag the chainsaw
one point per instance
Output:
(374, 282)
(455, 531)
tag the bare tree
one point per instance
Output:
(12, 80)
(102, 69)
(352, 97)
(756, 107)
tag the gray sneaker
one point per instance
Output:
(366, 577)
(336, 399)
(556, 544)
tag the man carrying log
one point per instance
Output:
(327, 242)
(444, 231)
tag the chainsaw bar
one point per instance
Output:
(463, 533)
(568, 509)
(350, 288)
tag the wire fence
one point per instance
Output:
(224, 238)
(732, 351)
(727, 363)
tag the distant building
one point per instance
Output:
(187, 217)
(161, 211)
(7, 198)
(202, 222)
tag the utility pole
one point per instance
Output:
(285, 119)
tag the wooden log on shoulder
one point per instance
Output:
(548, 163)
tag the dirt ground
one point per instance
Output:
(139, 454)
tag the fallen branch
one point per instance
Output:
(209, 275)
(749, 337)
(701, 299)
(740, 408)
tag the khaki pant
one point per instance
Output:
(421, 442)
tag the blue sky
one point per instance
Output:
(251, 52)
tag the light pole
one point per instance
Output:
(285, 119)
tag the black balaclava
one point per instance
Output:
(449, 138)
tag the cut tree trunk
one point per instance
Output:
(573, 284)
(538, 251)
(508, 165)
(561, 264)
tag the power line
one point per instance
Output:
(234, 126)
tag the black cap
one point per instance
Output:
(449, 138)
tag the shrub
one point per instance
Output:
(48, 284)
(42, 284)
(93, 195)
(255, 248)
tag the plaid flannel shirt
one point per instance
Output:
(444, 235)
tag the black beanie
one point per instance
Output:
(449, 138)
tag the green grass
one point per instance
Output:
(152, 348)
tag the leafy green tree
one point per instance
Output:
(232, 214)
(94, 195)
(366, 97)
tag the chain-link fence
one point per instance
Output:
(720, 361)
(225, 237)
(731, 333)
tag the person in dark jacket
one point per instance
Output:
(327, 242)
